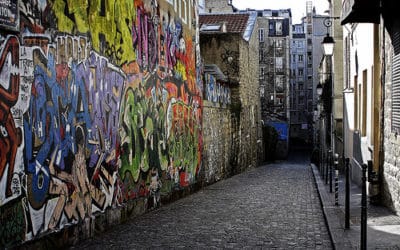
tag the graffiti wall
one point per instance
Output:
(216, 92)
(100, 104)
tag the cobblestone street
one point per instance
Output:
(275, 206)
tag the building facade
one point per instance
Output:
(300, 117)
(371, 40)
(229, 41)
(216, 6)
(274, 39)
(274, 35)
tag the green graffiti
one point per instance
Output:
(132, 119)
(12, 224)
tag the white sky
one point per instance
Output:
(298, 7)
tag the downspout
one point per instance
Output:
(374, 173)
(382, 110)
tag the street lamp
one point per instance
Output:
(328, 41)
(327, 45)
(319, 89)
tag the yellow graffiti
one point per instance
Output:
(180, 70)
(110, 24)
(64, 23)
(79, 9)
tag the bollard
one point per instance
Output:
(347, 197)
(335, 163)
(364, 207)
(328, 163)
(330, 176)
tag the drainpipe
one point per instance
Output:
(382, 110)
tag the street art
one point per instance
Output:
(230, 59)
(97, 109)
(10, 135)
(216, 92)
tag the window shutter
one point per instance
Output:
(396, 82)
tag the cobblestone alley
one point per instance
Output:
(275, 206)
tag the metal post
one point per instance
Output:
(335, 163)
(347, 198)
(330, 177)
(364, 207)
(328, 163)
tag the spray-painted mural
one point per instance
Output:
(216, 92)
(99, 104)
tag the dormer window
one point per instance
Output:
(210, 27)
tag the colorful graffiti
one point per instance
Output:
(216, 92)
(11, 136)
(99, 108)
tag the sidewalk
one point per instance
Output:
(383, 227)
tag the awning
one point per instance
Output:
(360, 11)
(214, 70)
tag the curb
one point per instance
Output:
(334, 216)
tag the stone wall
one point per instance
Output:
(246, 135)
(250, 122)
(217, 131)
(217, 152)
(218, 6)
(391, 166)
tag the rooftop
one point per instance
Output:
(234, 22)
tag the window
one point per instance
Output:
(261, 35)
(279, 83)
(279, 62)
(271, 27)
(300, 44)
(300, 58)
(364, 103)
(355, 102)
(183, 9)
(300, 72)
(278, 43)
(278, 27)
(210, 27)
(346, 72)
(261, 55)
(262, 73)
(309, 29)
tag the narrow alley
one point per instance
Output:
(271, 206)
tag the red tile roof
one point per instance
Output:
(235, 22)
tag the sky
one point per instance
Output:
(298, 7)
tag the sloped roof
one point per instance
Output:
(215, 71)
(235, 22)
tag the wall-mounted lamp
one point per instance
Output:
(319, 89)
(328, 41)
(327, 45)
